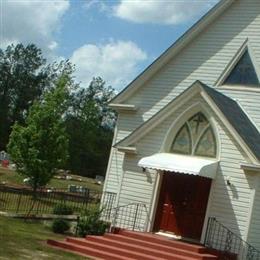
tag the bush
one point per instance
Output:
(62, 209)
(60, 226)
(90, 224)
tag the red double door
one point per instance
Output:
(182, 204)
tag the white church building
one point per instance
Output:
(187, 140)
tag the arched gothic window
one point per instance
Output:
(195, 137)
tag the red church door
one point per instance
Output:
(182, 204)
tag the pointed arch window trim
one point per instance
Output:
(194, 141)
(190, 136)
(246, 46)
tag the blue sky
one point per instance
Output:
(82, 26)
(112, 39)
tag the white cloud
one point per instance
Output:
(31, 21)
(116, 62)
(161, 12)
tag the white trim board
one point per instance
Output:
(250, 167)
(123, 107)
(127, 149)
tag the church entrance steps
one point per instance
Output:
(133, 245)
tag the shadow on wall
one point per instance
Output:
(230, 204)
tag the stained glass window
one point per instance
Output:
(182, 142)
(197, 124)
(243, 73)
(195, 137)
(207, 144)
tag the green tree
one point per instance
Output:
(24, 77)
(21, 81)
(90, 126)
(41, 145)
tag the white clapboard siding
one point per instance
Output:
(203, 59)
(114, 172)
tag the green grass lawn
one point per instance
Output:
(12, 177)
(26, 240)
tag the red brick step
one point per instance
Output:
(149, 237)
(153, 247)
(135, 246)
(114, 249)
(91, 253)
(133, 250)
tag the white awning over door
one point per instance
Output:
(181, 164)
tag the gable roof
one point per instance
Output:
(237, 118)
(229, 111)
(173, 50)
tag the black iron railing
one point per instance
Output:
(132, 216)
(17, 200)
(230, 245)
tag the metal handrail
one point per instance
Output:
(229, 244)
(132, 216)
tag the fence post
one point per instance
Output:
(2, 198)
(114, 220)
(208, 240)
(38, 198)
(136, 212)
(86, 199)
(110, 203)
(77, 227)
(19, 202)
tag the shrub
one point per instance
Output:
(62, 209)
(90, 224)
(60, 226)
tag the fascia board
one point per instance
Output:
(250, 167)
(131, 150)
(123, 107)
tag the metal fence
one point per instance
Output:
(230, 245)
(16, 200)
